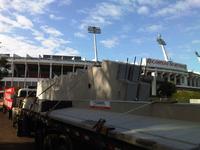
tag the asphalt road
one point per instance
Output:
(8, 138)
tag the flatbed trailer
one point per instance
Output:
(69, 128)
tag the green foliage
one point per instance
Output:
(3, 62)
(3, 68)
(185, 95)
(166, 89)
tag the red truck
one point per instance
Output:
(1, 98)
(9, 95)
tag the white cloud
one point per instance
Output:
(102, 15)
(108, 9)
(50, 43)
(154, 3)
(68, 51)
(53, 42)
(20, 46)
(4, 28)
(8, 21)
(30, 6)
(126, 28)
(193, 28)
(33, 7)
(79, 34)
(51, 31)
(50, 38)
(65, 2)
(137, 41)
(24, 22)
(110, 43)
(18, 22)
(14, 18)
(196, 42)
(143, 10)
(38, 35)
(179, 8)
(152, 28)
(105, 13)
(53, 17)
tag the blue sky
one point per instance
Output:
(129, 28)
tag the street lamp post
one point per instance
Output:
(94, 30)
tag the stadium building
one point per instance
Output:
(157, 71)
(27, 71)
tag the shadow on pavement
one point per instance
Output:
(17, 146)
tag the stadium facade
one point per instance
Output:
(157, 71)
(27, 71)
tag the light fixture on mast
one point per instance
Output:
(94, 30)
(162, 44)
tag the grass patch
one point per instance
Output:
(184, 96)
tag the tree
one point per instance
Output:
(166, 89)
(3, 67)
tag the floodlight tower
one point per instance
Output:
(94, 30)
(198, 56)
(162, 44)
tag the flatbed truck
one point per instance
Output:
(64, 125)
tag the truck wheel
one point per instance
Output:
(48, 143)
(56, 142)
(19, 128)
(65, 143)
(38, 141)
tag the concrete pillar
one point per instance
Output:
(178, 80)
(146, 73)
(192, 84)
(195, 81)
(25, 74)
(61, 70)
(162, 75)
(175, 79)
(38, 70)
(190, 80)
(168, 77)
(159, 75)
(50, 71)
(185, 81)
(153, 84)
(13, 71)
(198, 82)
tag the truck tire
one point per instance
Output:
(64, 143)
(39, 141)
(57, 142)
(49, 142)
(19, 128)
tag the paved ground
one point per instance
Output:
(8, 138)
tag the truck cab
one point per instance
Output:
(24, 95)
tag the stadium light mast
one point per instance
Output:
(162, 44)
(94, 30)
(198, 56)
